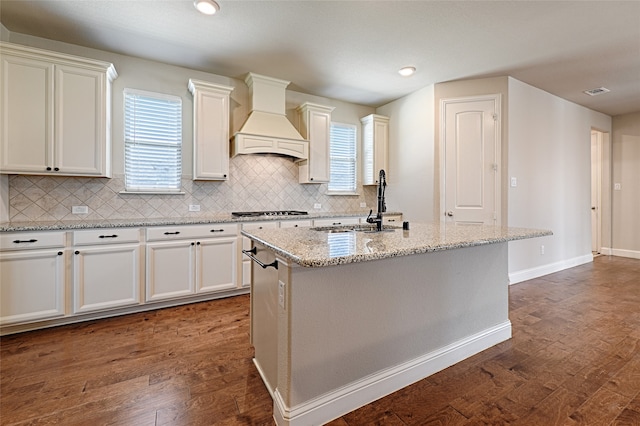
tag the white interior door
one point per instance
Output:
(471, 135)
(596, 185)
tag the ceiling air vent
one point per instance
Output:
(598, 91)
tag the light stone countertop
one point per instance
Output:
(132, 223)
(317, 247)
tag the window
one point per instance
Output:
(152, 141)
(342, 153)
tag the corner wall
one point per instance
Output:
(411, 155)
(550, 155)
(626, 171)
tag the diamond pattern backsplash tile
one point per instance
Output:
(256, 182)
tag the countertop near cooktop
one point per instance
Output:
(319, 247)
(121, 223)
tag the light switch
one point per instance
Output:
(617, 186)
(514, 182)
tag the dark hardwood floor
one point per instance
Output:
(574, 359)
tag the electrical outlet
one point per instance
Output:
(317, 206)
(281, 290)
(514, 182)
(194, 207)
(80, 210)
(541, 249)
(363, 204)
(617, 186)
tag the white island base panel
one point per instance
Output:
(350, 334)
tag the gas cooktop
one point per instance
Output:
(270, 213)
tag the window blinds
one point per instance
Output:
(153, 141)
(342, 153)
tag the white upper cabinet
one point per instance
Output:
(210, 130)
(375, 147)
(55, 113)
(315, 126)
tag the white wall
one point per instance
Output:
(411, 155)
(549, 154)
(626, 172)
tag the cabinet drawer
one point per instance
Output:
(106, 236)
(260, 225)
(337, 221)
(181, 232)
(295, 223)
(31, 240)
(395, 219)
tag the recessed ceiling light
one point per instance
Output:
(407, 71)
(598, 91)
(208, 7)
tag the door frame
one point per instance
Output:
(596, 179)
(497, 100)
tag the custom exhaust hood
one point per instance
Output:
(267, 129)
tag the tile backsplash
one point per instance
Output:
(256, 182)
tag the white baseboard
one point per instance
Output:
(634, 254)
(341, 401)
(528, 274)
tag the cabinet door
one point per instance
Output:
(106, 277)
(216, 264)
(80, 135)
(26, 115)
(210, 130)
(32, 284)
(316, 127)
(170, 270)
(375, 147)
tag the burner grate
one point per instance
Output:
(269, 213)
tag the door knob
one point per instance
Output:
(450, 213)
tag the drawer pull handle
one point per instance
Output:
(108, 236)
(337, 223)
(391, 220)
(217, 230)
(25, 241)
(172, 233)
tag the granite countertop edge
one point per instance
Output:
(421, 248)
(132, 223)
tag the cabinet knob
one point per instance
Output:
(198, 243)
(56, 169)
(310, 178)
(76, 252)
(59, 253)
(224, 175)
(48, 169)
(193, 244)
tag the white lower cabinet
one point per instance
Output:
(106, 269)
(32, 277)
(187, 260)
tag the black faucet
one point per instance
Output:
(382, 206)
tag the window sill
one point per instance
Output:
(352, 194)
(152, 192)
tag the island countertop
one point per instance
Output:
(320, 247)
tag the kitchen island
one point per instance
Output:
(341, 316)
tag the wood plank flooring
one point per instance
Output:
(574, 359)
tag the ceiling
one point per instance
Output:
(352, 50)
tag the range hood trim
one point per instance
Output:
(267, 130)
